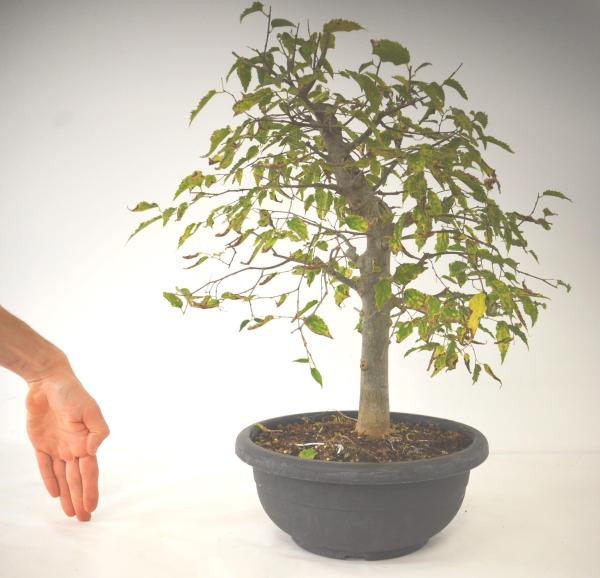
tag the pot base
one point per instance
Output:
(342, 555)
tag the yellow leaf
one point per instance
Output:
(477, 307)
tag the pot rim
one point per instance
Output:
(272, 462)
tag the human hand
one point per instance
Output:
(66, 427)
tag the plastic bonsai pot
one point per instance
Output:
(361, 510)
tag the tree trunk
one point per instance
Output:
(374, 408)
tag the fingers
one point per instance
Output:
(59, 469)
(75, 483)
(88, 467)
(45, 464)
(97, 427)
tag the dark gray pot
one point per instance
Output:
(361, 510)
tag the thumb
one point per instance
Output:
(97, 427)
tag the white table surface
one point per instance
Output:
(524, 515)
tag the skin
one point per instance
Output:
(64, 422)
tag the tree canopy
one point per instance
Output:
(302, 174)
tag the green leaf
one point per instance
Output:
(244, 72)
(503, 338)
(407, 272)
(202, 104)
(143, 225)
(477, 306)
(499, 143)
(189, 231)
(279, 22)
(390, 51)
(357, 223)
(216, 137)
(316, 375)
(442, 242)
(413, 298)
(143, 206)
(403, 330)
(340, 25)
(476, 372)
(456, 86)
(173, 299)
(342, 292)
(244, 323)
(299, 227)
(304, 309)
(531, 309)
(557, 194)
(383, 292)
(256, 7)
(489, 371)
(167, 214)
(317, 325)
(260, 322)
(307, 454)
(301, 360)
(251, 99)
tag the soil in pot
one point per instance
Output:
(332, 438)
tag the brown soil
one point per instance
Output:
(333, 439)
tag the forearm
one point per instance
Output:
(25, 352)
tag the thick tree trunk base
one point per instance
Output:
(372, 430)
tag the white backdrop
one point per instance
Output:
(95, 103)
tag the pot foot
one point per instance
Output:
(343, 555)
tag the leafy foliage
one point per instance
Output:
(303, 176)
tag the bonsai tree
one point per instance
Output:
(380, 192)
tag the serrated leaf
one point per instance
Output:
(143, 225)
(383, 292)
(304, 309)
(489, 371)
(390, 51)
(251, 99)
(442, 241)
(452, 83)
(189, 231)
(499, 143)
(215, 139)
(167, 214)
(476, 372)
(317, 325)
(173, 299)
(256, 7)
(244, 73)
(340, 25)
(502, 338)
(357, 223)
(403, 330)
(143, 206)
(342, 292)
(556, 194)
(477, 306)
(467, 360)
(407, 272)
(202, 104)
(299, 227)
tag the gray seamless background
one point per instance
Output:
(95, 102)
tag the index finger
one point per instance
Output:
(88, 467)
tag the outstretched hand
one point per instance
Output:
(66, 427)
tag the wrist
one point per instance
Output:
(51, 365)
